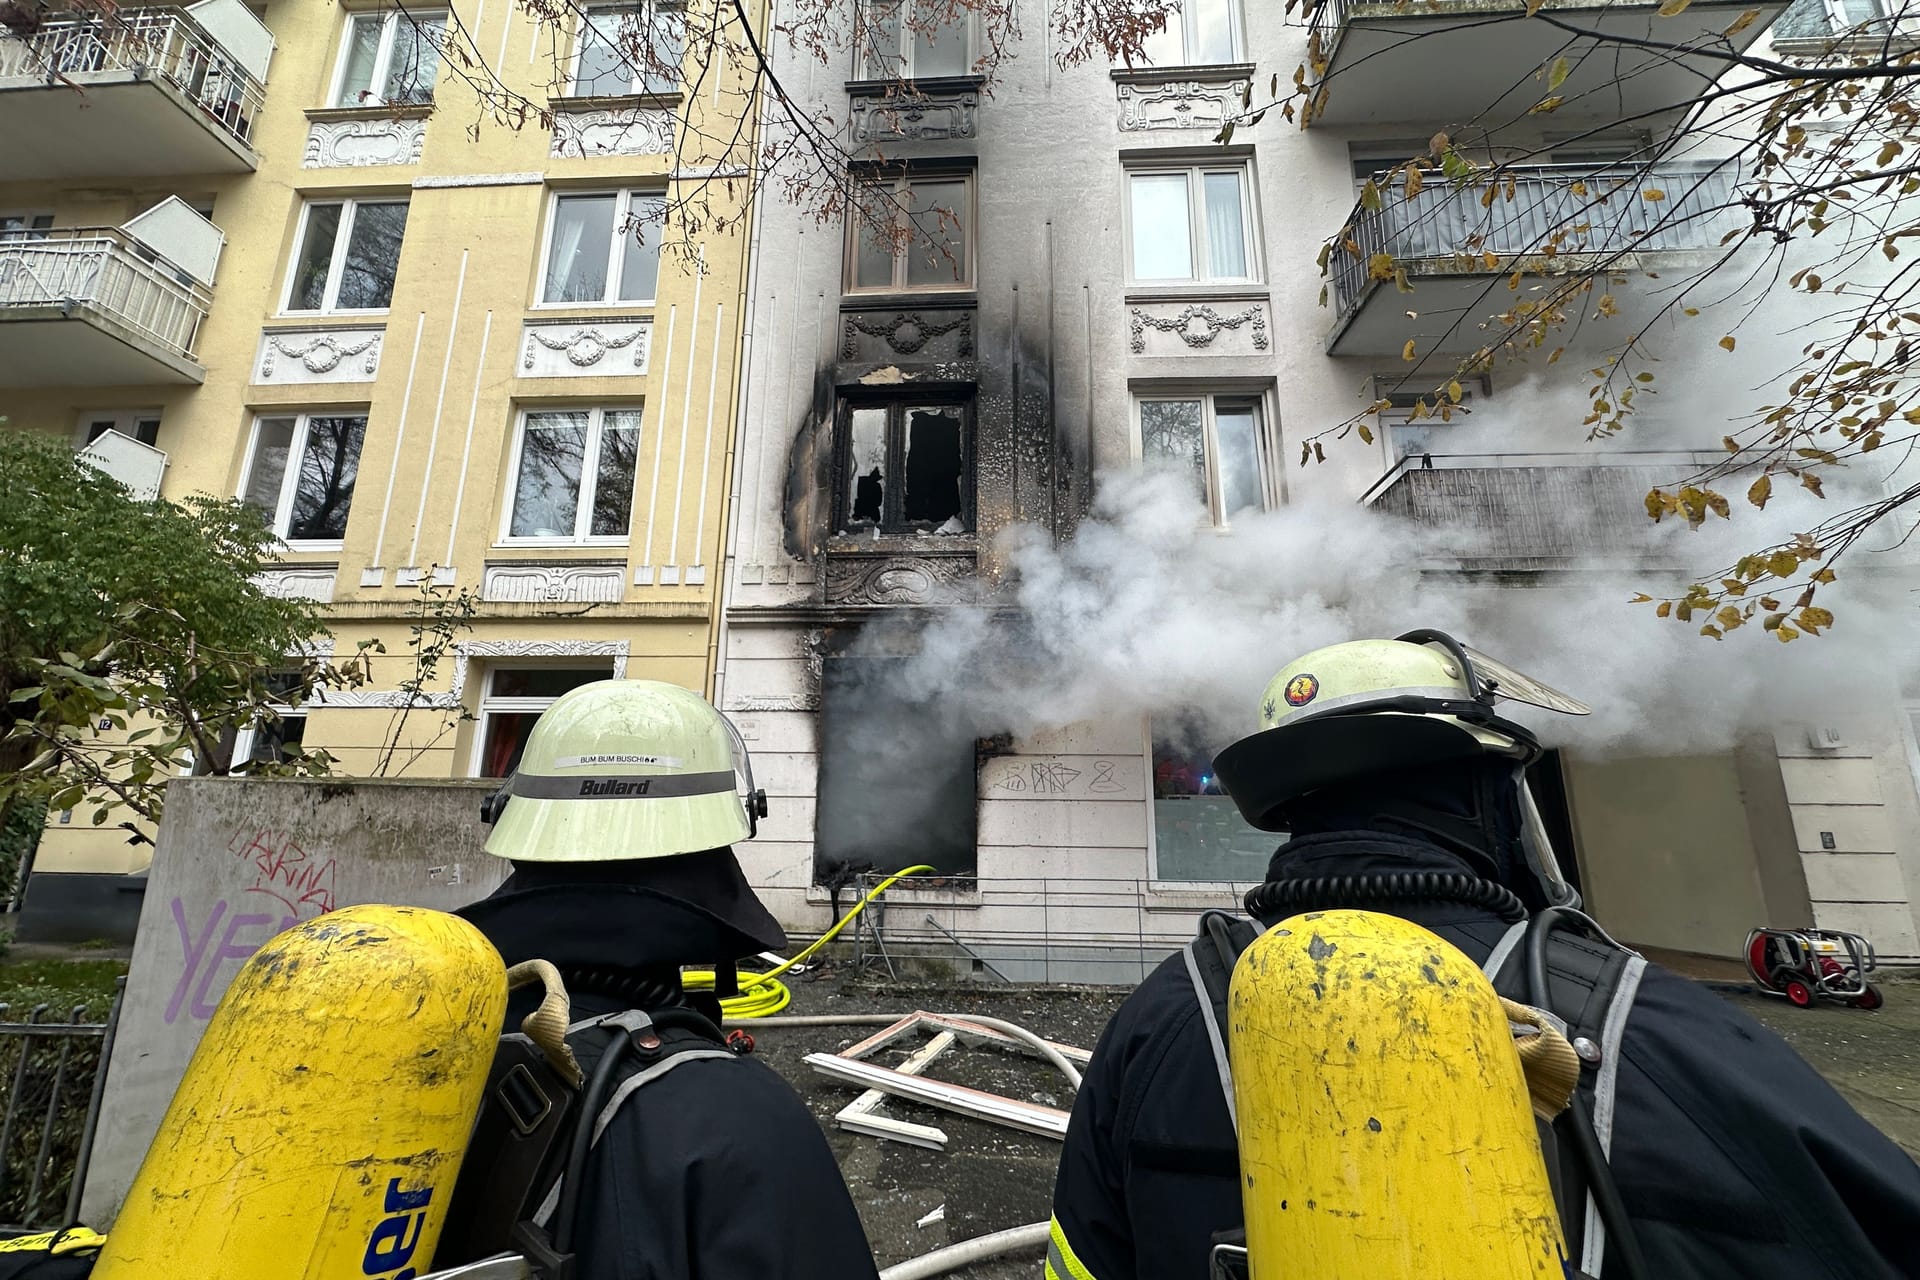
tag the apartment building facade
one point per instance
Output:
(1098, 282)
(290, 252)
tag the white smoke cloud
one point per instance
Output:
(1148, 612)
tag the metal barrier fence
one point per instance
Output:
(1034, 929)
(55, 1074)
(166, 42)
(104, 268)
(1571, 209)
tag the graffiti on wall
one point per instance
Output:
(290, 884)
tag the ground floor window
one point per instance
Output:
(512, 699)
(1198, 834)
(897, 778)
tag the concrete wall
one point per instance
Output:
(237, 862)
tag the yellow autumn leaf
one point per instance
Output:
(1561, 70)
(1760, 491)
(1726, 343)
(1654, 194)
(1406, 352)
(1665, 609)
(1783, 564)
(1742, 22)
(1366, 433)
(1674, 8)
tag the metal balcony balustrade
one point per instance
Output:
(108, 272)
(1574, 211)
(166, 43)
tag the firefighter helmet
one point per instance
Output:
(626, 769)
(1367, 706)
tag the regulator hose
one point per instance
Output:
(1277, 899)
(762, 994)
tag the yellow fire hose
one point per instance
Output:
(762, 994)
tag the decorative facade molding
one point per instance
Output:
(528, 581)
(620, 131)
(481, 650)
(899, 580)
(1198, 325)
(322, 355)
(352, 144)
(933, 117)
(479, 180)
(572, 350)
(907, 333)
(309, 582)
(1179, 104)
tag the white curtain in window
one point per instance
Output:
(546, 489)
(1226, 228)
(1162, 233)
(1236, 429)
(577, 265)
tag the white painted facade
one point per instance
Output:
(1069, 881)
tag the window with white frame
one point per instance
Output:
(140, 424)
(1200, 33)
(277, 736)
(346, 255)
(1191, 224)
(1417, 422)
(512, 700)
(912, 233)
(1219, 440)
(603, 247)
(914, 40)
(635, 46)
(1198, 833)
(24, 226)
(300, 472)
(573, 476)
(389, 58)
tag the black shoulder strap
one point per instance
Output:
(1210, 960)
(1592, 982)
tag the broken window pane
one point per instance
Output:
(933, 465)
(867, 465)
(1198, 833)
(1173, 432)
(1236, 426)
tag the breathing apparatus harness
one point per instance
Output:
(1572, 969)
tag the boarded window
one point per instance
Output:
(896, 778)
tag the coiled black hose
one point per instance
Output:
(1278, 899)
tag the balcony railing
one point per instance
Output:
(166, 43)
(1566, 209)
(108, 271)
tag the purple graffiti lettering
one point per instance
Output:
(199, 961)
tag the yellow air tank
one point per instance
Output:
(320, 1125)
(1385, 1127)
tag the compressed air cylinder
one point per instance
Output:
(320, 1125)
(1385, 1128)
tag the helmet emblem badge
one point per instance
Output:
(1301, 690)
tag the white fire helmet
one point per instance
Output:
(1370, 706)
(626, 769)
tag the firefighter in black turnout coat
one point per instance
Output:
(618, 823)
(1721, 1153)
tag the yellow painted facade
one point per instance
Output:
(465, 350)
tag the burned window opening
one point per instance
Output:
(897, 777)
(906, 467)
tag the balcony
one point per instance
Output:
(1529, 512)
(1441, 235)
(148, 93)
(95, 307)
(1449, 63)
